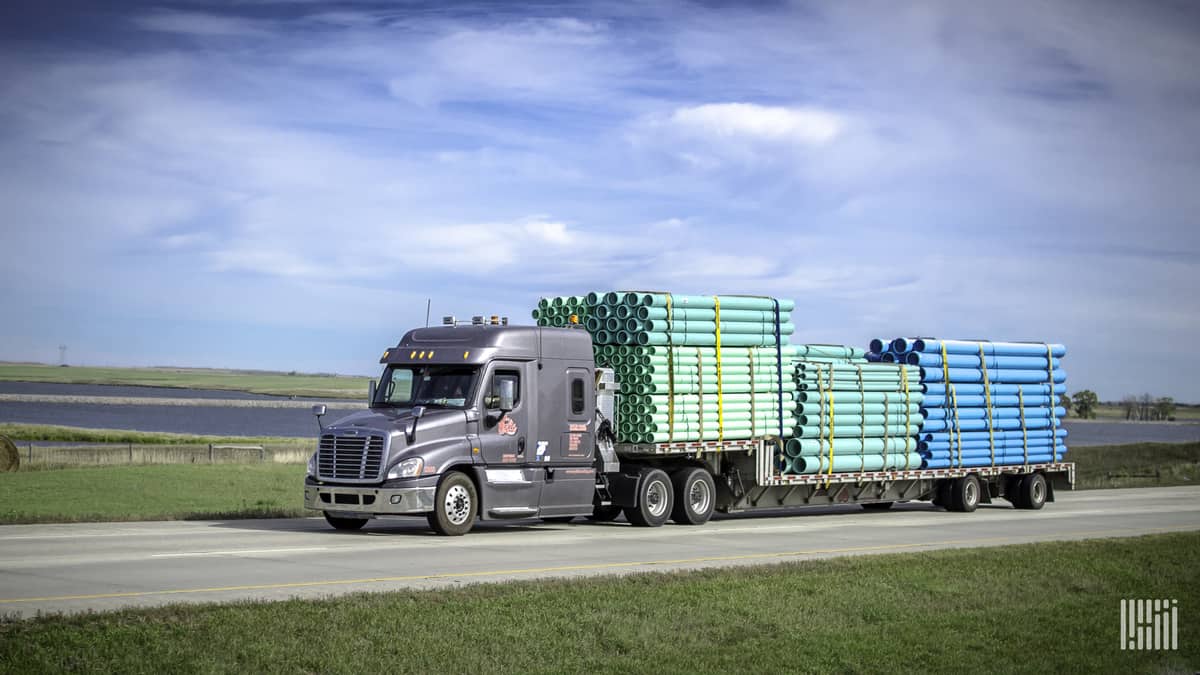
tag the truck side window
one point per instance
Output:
(493, 398)
(577, 396)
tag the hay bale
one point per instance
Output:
(10, 459)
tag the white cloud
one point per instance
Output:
(200, 24)
(809, 126)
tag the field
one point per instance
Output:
(1043, 608)
(161, 492)
(47, 432)
(1110, 412)
(1136, 465)
(256, 382)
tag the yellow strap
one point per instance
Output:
(700, 385)
(1024, 437)
(830, 471)
(1053, 402)
(957, 429)
(862, 416)
(670, 376)
(907, 429)
(753, 408)
(946, 384)
(887, 407)
(720, 389)
(987, 394)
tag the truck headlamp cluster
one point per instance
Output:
(312, 465)
(409, 468)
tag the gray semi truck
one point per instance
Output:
(497, 422)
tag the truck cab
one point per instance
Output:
(481, 420)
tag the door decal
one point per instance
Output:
(507, 426)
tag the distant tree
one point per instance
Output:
(1164, 409)
(1145, 407)
(1064, 400)
(1129, 405)
(1085, 403)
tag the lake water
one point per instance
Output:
(299, 422)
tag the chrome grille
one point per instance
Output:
(350, 457)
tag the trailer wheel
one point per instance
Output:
(878, 506)
(345, 524)
(964, 494)
(455, 505)
(653, 499)
(695, 495)
(604, 514)
(1032, 492)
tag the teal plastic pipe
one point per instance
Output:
(817, 408)
(811, 447)
(854, 431)
(844, 463)
(840, 397)
(858, 420)
(707, 302)
(748, 327)
(694, 314)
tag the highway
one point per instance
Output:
(104, 566)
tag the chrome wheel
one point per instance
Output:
(657, 498)
(699, 497)
(458, 504)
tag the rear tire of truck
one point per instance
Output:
(964, 494)
(695, 496)
(455, 505)
(345, 524)
(653, 499)
(1031, 492)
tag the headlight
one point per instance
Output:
(312, 465)
(409, 468)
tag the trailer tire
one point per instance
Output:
(455, 505)
(1032, 492)
(653, 499)
(604, 514)
(878, 506)
(345, 524)
(964, 494)
(695, 496)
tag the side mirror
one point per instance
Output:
(418, 412)
(507, 394)
(319, 411)
(410, 433)
(371, 387)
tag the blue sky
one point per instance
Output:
(281, 185)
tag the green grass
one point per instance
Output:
(49, 432)
(257, 382)
(158, 492)
(1136, 465)
(1041, 608)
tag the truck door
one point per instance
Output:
(570, 479)
(510, 487)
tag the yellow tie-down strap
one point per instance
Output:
(1053, 401)
(907, 428)
(987, 394)
(720, 386)
(829, 470)
(670, 376)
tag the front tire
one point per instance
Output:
(653, 500)
(695, 496)
(345, 524)
(455, 505)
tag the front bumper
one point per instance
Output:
(371, 501)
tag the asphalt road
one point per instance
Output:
(75, 568)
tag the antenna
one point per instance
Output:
(62, 355)
(428, 303)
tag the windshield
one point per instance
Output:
(447, 386)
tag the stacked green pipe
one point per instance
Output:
(663, 348)
(852, 415)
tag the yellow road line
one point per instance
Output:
(574, 568)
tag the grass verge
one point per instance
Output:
(51, 432)
(1041, 608)
(1136, 465)
(159, 492)
(256, 382)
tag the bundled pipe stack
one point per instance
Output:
(853, 415)
(691, 367)
(558, 311)
(986, 403)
